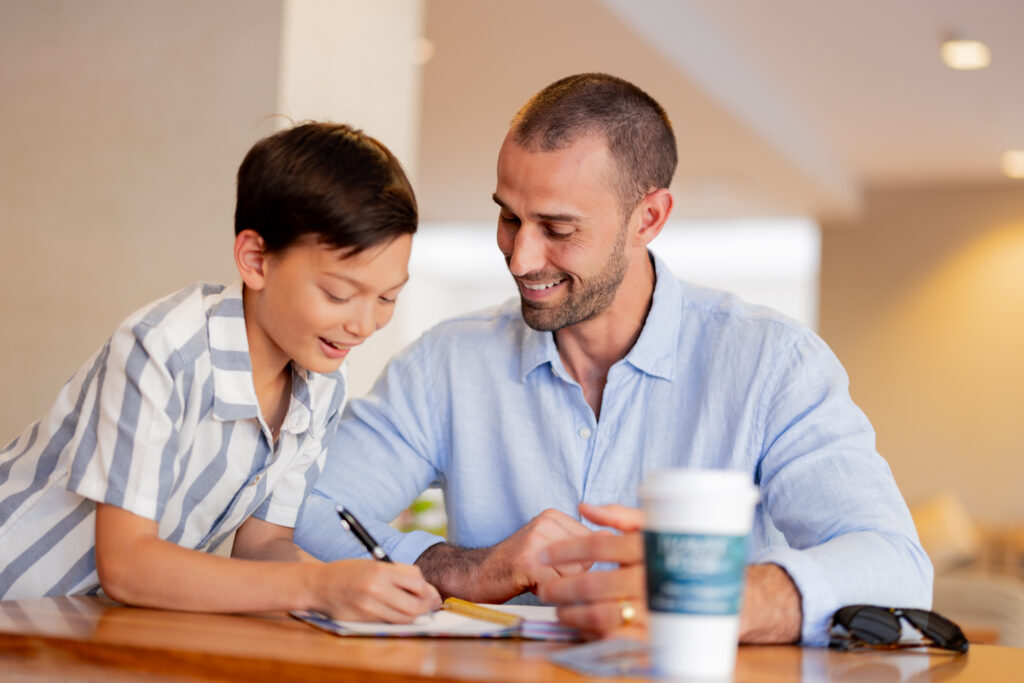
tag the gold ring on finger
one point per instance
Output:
(627, 612)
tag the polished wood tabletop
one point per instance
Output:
(92, 639)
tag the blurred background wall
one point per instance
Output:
(124, 122)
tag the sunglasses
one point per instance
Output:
(870, 626)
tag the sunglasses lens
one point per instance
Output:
(943, 631)
(873, 625)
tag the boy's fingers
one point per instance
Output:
(410, 579)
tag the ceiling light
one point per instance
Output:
(1012, 162)
(965, 55)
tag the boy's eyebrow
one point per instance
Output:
(548, 217)
(362, 285)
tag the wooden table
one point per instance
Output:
(90, 639)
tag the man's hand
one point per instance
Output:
(505, 570)
(593, 602)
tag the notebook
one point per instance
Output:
(538, 623)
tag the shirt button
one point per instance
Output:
(584, 433)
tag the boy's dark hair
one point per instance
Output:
(636, 127)
(328, 180)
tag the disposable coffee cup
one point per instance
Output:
(695, 544)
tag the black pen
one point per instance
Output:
(349, 521)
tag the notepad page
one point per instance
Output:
(437, 623)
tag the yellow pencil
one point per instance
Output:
(471, 609)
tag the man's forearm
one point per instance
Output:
(772, 607)
(452, 570)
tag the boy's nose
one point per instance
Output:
(362, 323)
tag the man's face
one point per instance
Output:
(561, 230)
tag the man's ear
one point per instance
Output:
(251, 258)
(654, 210)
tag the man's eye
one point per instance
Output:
(390, 302)
(335, 299)
(508, 219)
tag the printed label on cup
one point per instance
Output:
(695, 573)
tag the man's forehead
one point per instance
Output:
(586, 163)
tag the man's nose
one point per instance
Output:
(527, 252)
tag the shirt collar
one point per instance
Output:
(653, 352)
(234, 396)
(537, 349)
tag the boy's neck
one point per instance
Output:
(271, 371)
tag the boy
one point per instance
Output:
(209, 412)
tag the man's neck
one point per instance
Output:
(589, 349)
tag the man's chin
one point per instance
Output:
(540, 319)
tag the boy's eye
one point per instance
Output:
(335, 299)
(386, 300)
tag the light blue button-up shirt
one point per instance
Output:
(483, 406)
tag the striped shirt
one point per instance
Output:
(163, 422)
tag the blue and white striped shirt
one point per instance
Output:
(163, 422)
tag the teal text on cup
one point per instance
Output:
(694, 573)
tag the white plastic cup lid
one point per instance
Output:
(695, 483)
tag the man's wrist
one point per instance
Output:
(454, 571)
(772, 606)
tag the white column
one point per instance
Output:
(355, 62)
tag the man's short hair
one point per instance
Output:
(328, 180)
(636, 127)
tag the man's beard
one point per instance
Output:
(591, 299)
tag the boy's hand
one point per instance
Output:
(368, 590)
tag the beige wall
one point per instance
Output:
(123, 125)
(923, 302)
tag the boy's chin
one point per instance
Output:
(320, 365)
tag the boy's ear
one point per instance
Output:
(251, 258)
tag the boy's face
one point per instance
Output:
(315, 305)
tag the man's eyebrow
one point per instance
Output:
(548, 217)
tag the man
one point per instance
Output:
(607, 369)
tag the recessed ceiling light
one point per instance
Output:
(965, 55)
(1012, 162)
